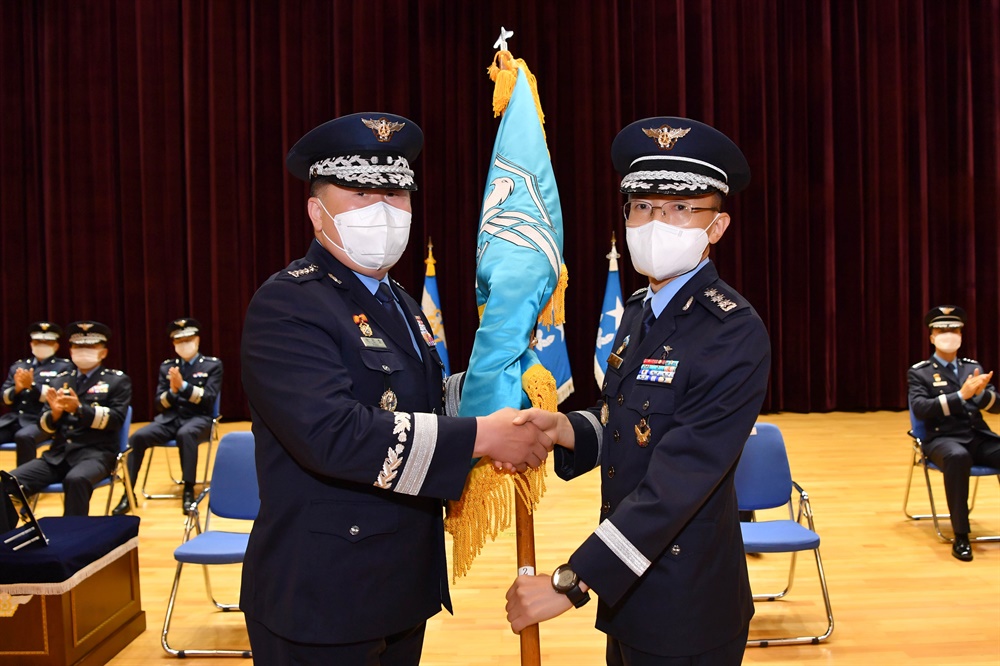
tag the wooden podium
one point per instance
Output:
(86, 618)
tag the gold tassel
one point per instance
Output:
(554, 312)
(485, 508)
(503, 72)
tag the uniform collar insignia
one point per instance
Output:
(666, 136)
(382, 128)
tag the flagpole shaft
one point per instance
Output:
(531, 650)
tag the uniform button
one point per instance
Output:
(621, 400)
(354, 530)
(645, 405)
(611, 472)
(604, 385)
(386, 368)
(616, 436)
(675, 549)
(606, 507)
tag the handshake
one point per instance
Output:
(516, 440)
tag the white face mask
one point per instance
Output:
(661, 251)
(42, 351)
(948, 342)
(186, 350)
(85, 358)
(374, 237)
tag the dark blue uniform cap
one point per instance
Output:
(44, 330)
(367, 150)
(945, 316)
(669, 155)
(182, 328)
(88, 333)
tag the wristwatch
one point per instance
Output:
(565, 581)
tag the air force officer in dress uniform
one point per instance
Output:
(185, 396)
(950, 394)
(346, 559)
(83, 417)
(25, 391)
(683, 389)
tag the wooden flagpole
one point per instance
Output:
(531, 649)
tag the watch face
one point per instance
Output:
(564, 578)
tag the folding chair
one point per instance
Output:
(213, 436)
(764, 481)
(233, 495)
(118, 473)
(918, 431)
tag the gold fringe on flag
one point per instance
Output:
(554, 312)
(485, 508)
(503, 72)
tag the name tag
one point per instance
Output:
(940, 383)
(657, 370)
(377, 343)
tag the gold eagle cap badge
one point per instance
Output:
(383, 128)
(44, 326)
(947, 311)
(666, 136)
(85, 327)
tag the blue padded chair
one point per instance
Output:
(213, 436)
(233, 495)
(764, 481)
(918, 432)
(118, 473)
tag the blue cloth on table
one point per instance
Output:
(74, 542)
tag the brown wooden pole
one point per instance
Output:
(531, 649)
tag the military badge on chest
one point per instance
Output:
(367, 334)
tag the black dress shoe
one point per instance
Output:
(122, 507)
(961, 548)
(188, 499)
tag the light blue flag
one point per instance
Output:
(518, 256)
(430, 303)
(611, 316)
(550, 347)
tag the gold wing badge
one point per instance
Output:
(383, 128)
(666, 136)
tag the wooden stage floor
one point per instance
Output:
(898, 596)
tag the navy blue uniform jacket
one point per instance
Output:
(92, 433)
(204, 381)
(26, 406)
(349, 542)
(934, 399)
(667, 559)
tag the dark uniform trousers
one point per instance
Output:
(346, 560)
(20, 425)
(678, 403)
(84, 446)
(957, 435)
(185, 417)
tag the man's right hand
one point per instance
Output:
(23, 379)
(176, 380)
(521, 446)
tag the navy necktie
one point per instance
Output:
(648, 318)
(952, 371)
(388, 300)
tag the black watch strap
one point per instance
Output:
(577, 596)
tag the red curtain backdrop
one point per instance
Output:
(142, 151)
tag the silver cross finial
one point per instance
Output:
(501, 42)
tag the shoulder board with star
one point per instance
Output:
(970, 360)
(169, 361)
(300, 271)
(207, 358)
(920, 364)
(720, 300)
(638, 294)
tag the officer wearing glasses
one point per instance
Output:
(682, 391)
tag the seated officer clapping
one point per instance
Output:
(26, 389)
(185, 395)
